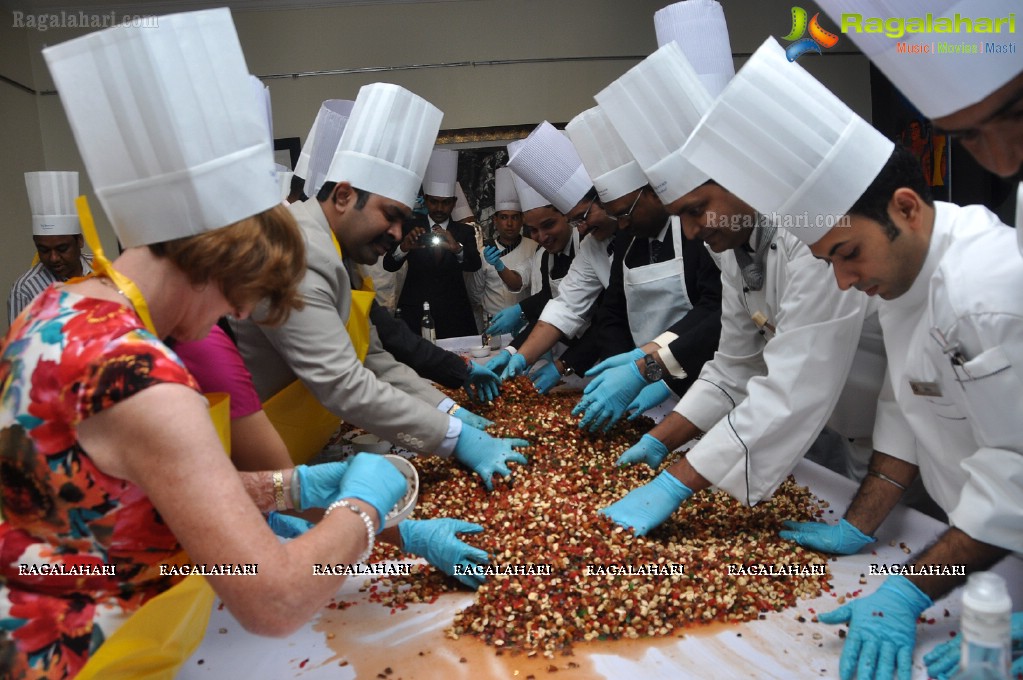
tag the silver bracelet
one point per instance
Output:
(370, 529)
(884, 477)
(296, 491)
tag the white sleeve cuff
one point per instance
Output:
(704, 404)
(445, 404)
(665, 339)
(670, 363)
(447, 445)
(398, 253)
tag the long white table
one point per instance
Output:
(367, 640)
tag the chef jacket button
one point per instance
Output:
(745, 289)
(774, 246)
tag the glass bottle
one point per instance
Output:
(985, 628)
(426, 326)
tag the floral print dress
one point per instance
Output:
(79, 550)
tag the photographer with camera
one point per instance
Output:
(437, 250)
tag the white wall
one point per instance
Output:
(396, 35)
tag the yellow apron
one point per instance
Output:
(164, 632)
(295, 412)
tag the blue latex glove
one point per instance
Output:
(648, 397)
(508, 320)
(492, 254)
(617, 360)
(882, 630)
(287, 526)
(648, 506)
(649, 450)
(608, 395)
(547, 376)
(486, 455)
(482, 383)
(516, 366)
(435, 540)
(841, 539)
(373, 480)
(318, 484)
(470, 418)
(943, 661)
(498, 362)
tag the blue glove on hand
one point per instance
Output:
(617, 360)
(435, 540)
(649, 397)
(508, 320)
(287, 526)
(470, 418)
(492, 254)
(648, 506)
(498, 362)
(841, 539)
(372, 479)
(516, 366)
(546, 377)
(943, 661)
(649, 450)
(486, 455)
(882, 630)
(608, 395)
(482, 383)
(318, 484)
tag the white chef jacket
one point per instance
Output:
(572, 307)
(765, 397)
(1019, 217)
(955, 351)
(485, 286)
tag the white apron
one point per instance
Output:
(655, 295)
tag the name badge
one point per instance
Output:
(925, 389)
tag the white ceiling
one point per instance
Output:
(168, 6)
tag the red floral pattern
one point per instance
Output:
(67, 359)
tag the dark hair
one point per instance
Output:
(361, 197)
(590, 195)
(258, 258)
(902, 170)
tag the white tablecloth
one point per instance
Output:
(366, 639)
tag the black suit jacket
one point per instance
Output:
(435, 276)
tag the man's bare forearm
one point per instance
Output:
(879, 491)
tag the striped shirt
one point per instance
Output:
(32, 283)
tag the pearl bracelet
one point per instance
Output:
(370, 529)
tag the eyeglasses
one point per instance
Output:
(627, 214)
(577, 222)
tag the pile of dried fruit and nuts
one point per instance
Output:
(604, 582)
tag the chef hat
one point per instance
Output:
(549, 163)
(606, 158)
(654, 106)
(699, 28)
(261, 93)
(528, 197)
(284, 180)
(326, 135)
(51, 197)
(505, 195)
(167, 126)
(441, 173)
(302, 164)
(782, 142)
(461, 210)
(386, 145)
(936, 83)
